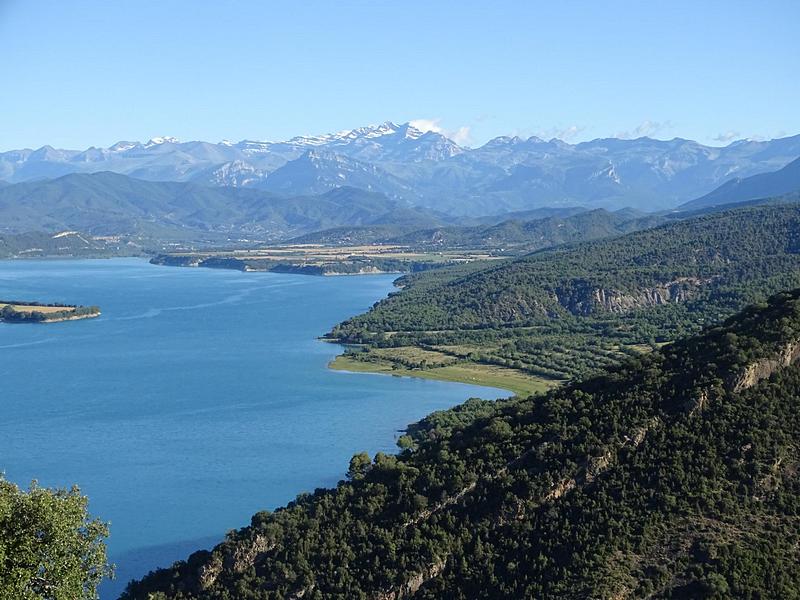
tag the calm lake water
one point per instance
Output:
(199, 397)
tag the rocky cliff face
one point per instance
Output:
(750, 375)
(413, 584)
(582, 297)
(234, 558)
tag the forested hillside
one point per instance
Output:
(561, 313)
(65, 243)
(113, 204)
(674, 475)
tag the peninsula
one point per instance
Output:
(318, 259)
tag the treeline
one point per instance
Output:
(43, 304)
(673, 475)
(10, 313)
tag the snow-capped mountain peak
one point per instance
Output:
(373, 131)
(370, 132)
(358, 137)
(504, 140)
(406, 131)
(157, 141)
(122, 146)
(312, 140)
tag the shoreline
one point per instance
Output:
(315, 270)
(72, 318)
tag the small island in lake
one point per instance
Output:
(38, 312)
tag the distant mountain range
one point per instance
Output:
(153, 213)
(540, 228)
(427, 169)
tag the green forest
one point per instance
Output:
(671, 475)
(574, 310)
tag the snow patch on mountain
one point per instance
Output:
(236, 173)
(157, 141)
(123, 146)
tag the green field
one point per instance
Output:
(37, 308)
(514, 381)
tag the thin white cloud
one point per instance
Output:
(766, 137)
(460, 135)
(647, 128)
(564, 134)
(727, 136)
(426, 125)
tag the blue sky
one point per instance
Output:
(90, 72)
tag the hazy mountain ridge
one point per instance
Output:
(110, 204)
(107, 203)
(505, 174)
(318, 171)
(777, 183)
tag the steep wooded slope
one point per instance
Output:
(672, 476)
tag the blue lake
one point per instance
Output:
(198, 397)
